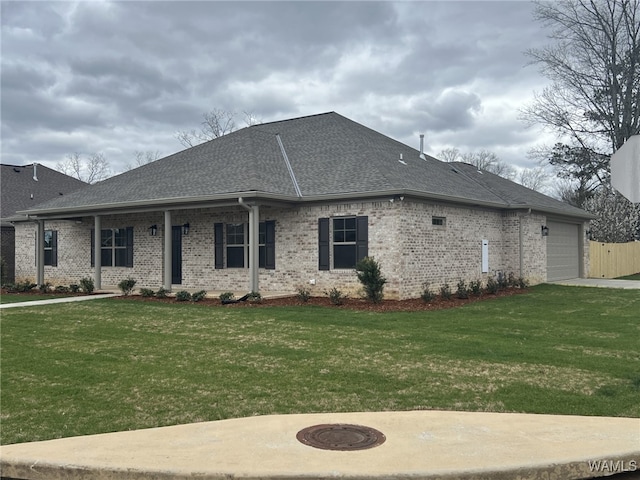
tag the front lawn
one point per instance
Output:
(107, 365)
(28, 297)
(635, 276)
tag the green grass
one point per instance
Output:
(635, 276)
(27, 297)
(107, 365)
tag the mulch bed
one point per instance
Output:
(411, 305)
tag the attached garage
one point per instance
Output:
(563, 251)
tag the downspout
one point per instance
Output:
(40, 254)
(254, 249)
(521, 243)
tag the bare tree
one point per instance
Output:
(593, 103)
(482, 160)
(142, 158)
(215, 124)
(533, 178)
(92, 169)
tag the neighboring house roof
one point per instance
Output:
(318, 157)
(26, 186)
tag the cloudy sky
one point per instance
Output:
(120, 77)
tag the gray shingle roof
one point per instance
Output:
(20, 191)
(330, 157)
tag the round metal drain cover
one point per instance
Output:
(341, 436)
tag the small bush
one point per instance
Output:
(199, 296)
(461, 290)
(427, 295)
(74, 287)
(87, 285)
(183, 296)
(162, 293)
(445, 291)
(3, 271)
(370, 276)
(126, 286)
(492, 286)
(503, 281)
(522, 283)
(226, 296)
(45, 287)
(336, 296)
(303, 294)
(61, 289)
(254, 297)
(22, 287)
(147, 292)
(475, 287)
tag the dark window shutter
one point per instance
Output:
(323, 244)
(129, 247)
(362, 237)
(93, 249)
(54, 248)
(218, 234)
(270, 245)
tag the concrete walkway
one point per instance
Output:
(51, 301)
(419, 445)
(600, 282)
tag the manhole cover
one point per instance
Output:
(341, 436)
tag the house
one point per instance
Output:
(22, 188)
(295, 203)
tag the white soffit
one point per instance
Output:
(625, 169)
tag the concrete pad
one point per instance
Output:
(419, 445)
(600, 282)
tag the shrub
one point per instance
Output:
(475, 287)
(126, 286)
(254, 297)
(3, 271)
(303, 294)
(226, 296)
(74, 287)
(369, 275)
(198, 296)
(461, 290)
(522, 283)
(147, 292)
(61, 289)
(183, 296)
(87, 285)
(427, 295)
(336, 296)
(503, 281)
(492, 285)
(22, 287)
(45, 287)
(162, 293)
(445, 291)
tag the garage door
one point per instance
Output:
(563, 259)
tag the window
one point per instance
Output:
(237, 245)
(51, 248)
(344, 242)
(349, 243)
(438, 221)
(116, 247)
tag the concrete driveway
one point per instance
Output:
(600, 282)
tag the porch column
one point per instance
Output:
(167, 250)
(97, 252)
(40, 254)
(254, 247)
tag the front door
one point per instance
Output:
(176, 255)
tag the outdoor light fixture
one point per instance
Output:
(545, 231)
(185, 229)
(153, 230)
